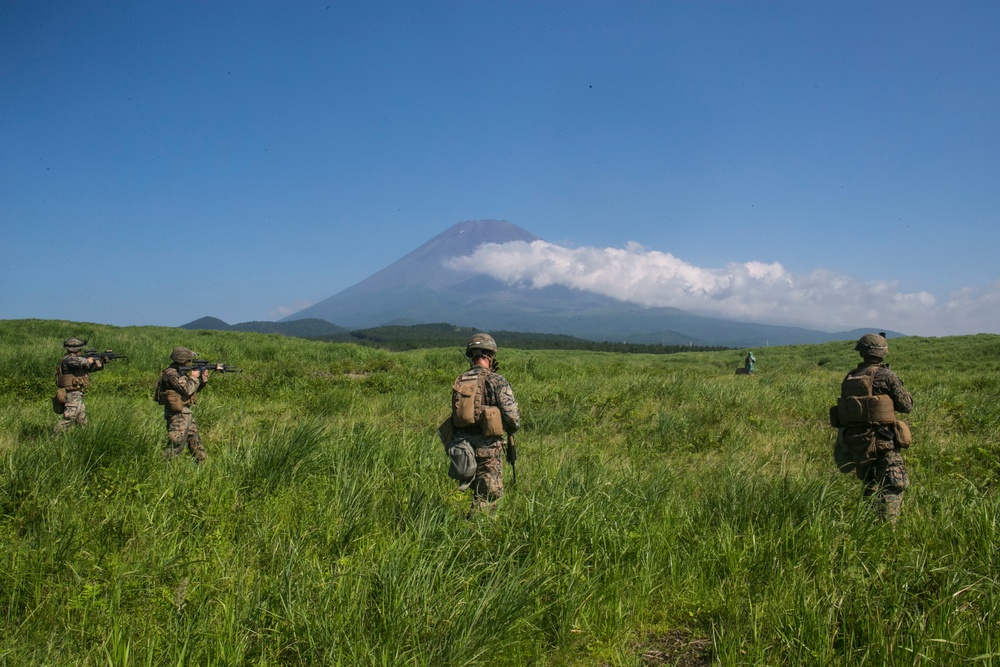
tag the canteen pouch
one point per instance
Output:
(59, 401)
(903, 436)
(492, 423)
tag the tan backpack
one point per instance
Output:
(467, 407)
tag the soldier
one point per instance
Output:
(483, 407)
(749, 362)
(176, 392)
(869, 438)
(72, 377)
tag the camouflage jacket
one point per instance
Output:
(75, 371)
(185, 385)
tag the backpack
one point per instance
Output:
(462, 466)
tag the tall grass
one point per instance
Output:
(663, 507)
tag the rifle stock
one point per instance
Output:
(511, 453)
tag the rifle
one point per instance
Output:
(104, 357)
(511, 453)
(203, 365)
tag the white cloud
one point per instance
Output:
(757, 291)
(277, 312)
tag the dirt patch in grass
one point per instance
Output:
(675, 647)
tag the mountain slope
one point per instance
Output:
(420, 289)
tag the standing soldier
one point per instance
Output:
(749, 362)
(176, 392)
(869, 437)
(483, 408)
(72, 377)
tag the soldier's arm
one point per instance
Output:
(901, 398)
(184, 385)
(509, 411)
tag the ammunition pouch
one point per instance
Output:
(467, 399)
(866, 410)
(172, 400)
(492, 423)
(70, 381)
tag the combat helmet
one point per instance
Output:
(480, 341)
(872, 345)
(74, 344)
(182, 355)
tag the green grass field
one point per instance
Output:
(667, 511)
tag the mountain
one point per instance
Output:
(207, 324)
(420, 289)
(304, 328)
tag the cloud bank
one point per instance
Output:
(754, 291)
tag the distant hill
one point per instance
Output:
(305, 328)
(421, 289)
(422, 336)
(207, 324)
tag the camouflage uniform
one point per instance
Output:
(885, 476)
(487, 486)
(75, 370)
(181, 427)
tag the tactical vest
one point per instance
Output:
(467, 405)
(171, 398)
(858, 407)
(69, 381)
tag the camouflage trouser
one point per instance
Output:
(182, 430)
(487, 487)
(74, 413)
(885, 480)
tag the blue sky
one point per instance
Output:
(833, 164)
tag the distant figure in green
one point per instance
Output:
(72, 377)
(869, 437)
(749, 362)
(177, 391)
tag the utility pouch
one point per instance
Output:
(170, 399)
(861, 446)
(492, 424)
(59, 401)
(446, 431)
(467, 399)
(903, 436)
(842, 455)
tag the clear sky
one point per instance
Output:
(833, 164)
